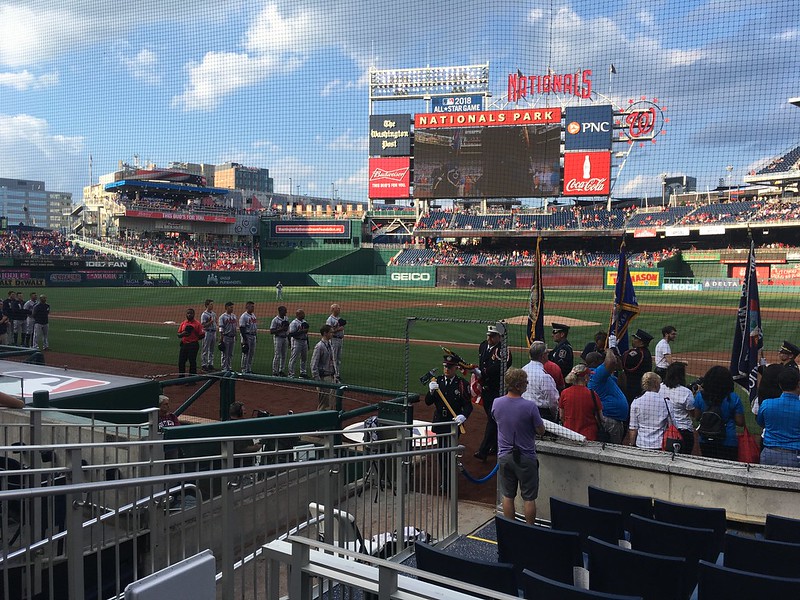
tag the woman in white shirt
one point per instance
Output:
(649, 417)
(681, 405)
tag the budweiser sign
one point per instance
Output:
(389, 177)
(587, 173)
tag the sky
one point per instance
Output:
(283, 85)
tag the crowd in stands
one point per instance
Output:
(190, 254)
(20, 243)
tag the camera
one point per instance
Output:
(696, 385)
(342, 322)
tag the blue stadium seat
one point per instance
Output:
(627, 504)
(539, 549)
(499, 577)
(618, 570)
(782, 529)
(537, 587)
(779, 559)
(715, 582)
(606, 525)
(692, 516)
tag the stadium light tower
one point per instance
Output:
(729, 169)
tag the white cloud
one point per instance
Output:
(29, 150)
(25, 80)
(350, 143)
(275, 43)
(684, 58)
(535, 14)
(29, 35)
(143, 66)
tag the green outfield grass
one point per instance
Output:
(133, 324)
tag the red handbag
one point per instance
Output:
(672, 440)
(748, 448)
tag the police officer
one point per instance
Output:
(787, 354)
(562, 354)
(279, 329)
(298, 333)
(455, 390)
(490, 371)
(228, 324)
(248, 327)
(637, 361)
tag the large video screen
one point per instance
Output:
(478, 162)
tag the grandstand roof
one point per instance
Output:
(177, 189)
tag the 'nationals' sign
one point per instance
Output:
(489, 118)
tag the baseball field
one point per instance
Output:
(139, 325)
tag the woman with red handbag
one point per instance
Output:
(681, 405)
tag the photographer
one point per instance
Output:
(337, 326)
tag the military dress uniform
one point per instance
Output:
(793, 350)
(636, 362)
(562, 354)
(492, 370)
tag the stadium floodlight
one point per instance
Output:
(393, 84)
(795, 101)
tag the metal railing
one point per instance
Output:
(68, 531)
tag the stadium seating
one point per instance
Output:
(716, 582)
(499, 577)
(783, 164)
(779, 559)
(617, 570)
(537, 587)
(782, 529)
(692, 516)
(539, 549)
(627, 504)
(606, 525)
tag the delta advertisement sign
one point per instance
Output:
(642, 278)
(587, 174)
(390, 177)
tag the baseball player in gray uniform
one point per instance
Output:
(279, 329)
(298, 333)
(209, 322)
(228, 324)
(29, 321)
(337, 329)
(322, 368)
(248, 327)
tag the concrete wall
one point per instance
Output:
(747, 492)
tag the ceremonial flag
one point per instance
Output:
(748, 337)
(625, 306)
(535, 329)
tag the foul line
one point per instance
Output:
(152, 337)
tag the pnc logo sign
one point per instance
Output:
(410, 276)
(588, 127)
(575, 128)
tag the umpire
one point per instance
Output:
(562, 353)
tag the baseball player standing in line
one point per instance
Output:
(279, 329)
(20, 319)
(41, 317)
(248, 327)
(298, 333)
(279, 291)
(322, 368)
(228, 324)
(337, 326)
(209, 322)
(29, 322)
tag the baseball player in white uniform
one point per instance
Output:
(248, 327)
(298, 333)
(337, 329)
(209, 322)
(228, 325)
(29, 321)
(279, 329)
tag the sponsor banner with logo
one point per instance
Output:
(683, 287)
(228, 279)
(457, 104)
(390, 177)
(644, 233)
(476, 277)
(642, 278)
(676, 232)
(588, 127)
(176, 216)
(310, 229)
(722, 284)
(740, 272)
(489, 118)
(390, 135)
(712, 230)
(411, 277)
(587, 173)
(40, 262)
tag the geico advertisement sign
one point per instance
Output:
(410, 276)
(639, 278)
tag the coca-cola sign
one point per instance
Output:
(587, 173)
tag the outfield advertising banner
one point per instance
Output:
(411, 276)
(642, 278)
(588, 127)
(389, 135)
(390, 177)
(309, 229)
(476, 277)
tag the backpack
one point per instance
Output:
(712, 424)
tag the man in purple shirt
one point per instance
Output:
(518, 422)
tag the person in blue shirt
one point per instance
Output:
(604, 383)
(716, 394)
(780, 418)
